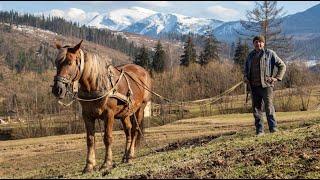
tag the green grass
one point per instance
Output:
(280, 153)
(220, 146)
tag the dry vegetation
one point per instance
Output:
(221, 146)
(189, 148)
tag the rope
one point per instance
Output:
(197, 101)
(134, 115)
(107, 93)
(222, 94)
(89, 100)
(64, 104)
(146, 88)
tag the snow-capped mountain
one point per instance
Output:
(151, 23)
(163, 23)
(121, 18)
(228, 31)
(147, 22)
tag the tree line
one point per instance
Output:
(58, 25)
(157, 59)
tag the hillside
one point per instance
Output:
(40, 45)
(31, 37)
(222, 146)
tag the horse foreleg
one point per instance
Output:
(91, 156)
(127, 130)
(108, 139)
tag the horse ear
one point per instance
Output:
(76, 48)
(58, 46)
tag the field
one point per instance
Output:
(220, 146)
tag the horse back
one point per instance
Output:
(138, 72)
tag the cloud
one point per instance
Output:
(223, 13)
(156, 3)
(244, 3)
(99, 2)
(71, 14)
(75, 13)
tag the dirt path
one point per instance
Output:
(62, 156)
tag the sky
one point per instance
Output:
(220, 10)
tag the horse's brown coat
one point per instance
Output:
(94, 78)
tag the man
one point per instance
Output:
(259, 73)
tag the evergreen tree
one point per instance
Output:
(210, 52)
(232, 50)
(22, 62)
(158, 58)
(142, 58)
(241, 53)
(63, 27)
(190, 55)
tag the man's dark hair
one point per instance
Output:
(260, 38)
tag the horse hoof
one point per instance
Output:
(105, 172)
(105, 167)
(87, 170)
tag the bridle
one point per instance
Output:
(72, 83)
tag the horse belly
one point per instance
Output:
(92, 110)
(122, 111)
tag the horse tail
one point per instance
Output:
(139, 118)
(141, 126)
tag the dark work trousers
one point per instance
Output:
(260, 96)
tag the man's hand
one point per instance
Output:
(245, 79)
(271, 80)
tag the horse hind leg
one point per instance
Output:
(127, 130)
(135, 131)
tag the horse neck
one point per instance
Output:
(95, 74)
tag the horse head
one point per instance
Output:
(69, 64)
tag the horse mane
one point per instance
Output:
(97, 67)
(61, 55)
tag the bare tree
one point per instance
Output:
(266, 19)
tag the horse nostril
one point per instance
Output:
(56, 90)
(59, 91)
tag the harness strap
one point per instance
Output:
(107, 94)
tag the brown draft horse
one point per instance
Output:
(96, 78)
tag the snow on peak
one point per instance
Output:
(144, 10)
(120, 18)
(162, 22)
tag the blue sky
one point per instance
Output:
(221, 10)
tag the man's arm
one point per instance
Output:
(281, 66)
(245, 70)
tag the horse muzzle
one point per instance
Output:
(59, 89)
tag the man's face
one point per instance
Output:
(258, 45)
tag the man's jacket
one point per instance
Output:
(270, 66)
